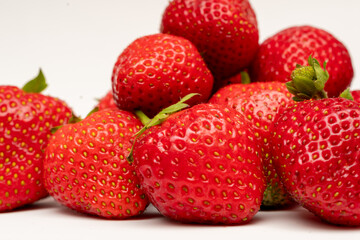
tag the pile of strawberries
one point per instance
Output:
(218, 155)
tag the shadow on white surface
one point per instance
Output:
(64, 211)
(293, 217)
(39, 205)
(306, 219)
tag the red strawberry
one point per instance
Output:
(224, 31)
(356, 95)
(259, 103)
(107, 101)
(316, 150)
(242, 77)
(26, 118)
(201, 166)
(156, 71)
(278, 55)
(85, 167)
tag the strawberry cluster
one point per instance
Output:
(185, 130)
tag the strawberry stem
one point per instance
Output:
(143, 118)
(158, 119)
(36, 85)
(308, 82)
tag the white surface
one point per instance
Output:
(76, 43)
(48, 220)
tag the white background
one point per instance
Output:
(76, 43)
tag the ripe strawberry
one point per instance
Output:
(26, 118)
(316, 150)
(107, 101)
(242, 77)
(278, 55)
(156, 71)
(224, 31)
(356, 95)
(201, 166)
(85, 167)
(259, 103)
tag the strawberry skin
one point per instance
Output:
(356, 95)
(279, 54)
(25, 123)
(200, 166)
(85, 167)
(259, 103)
(155, 71)
(316, 152)
(107, 101)
(224, 31)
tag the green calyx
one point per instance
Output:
(158, 119)
(72, 120)
(347, 94)
(36, 85)
(94, 110)
(308, 82)
(245, 78)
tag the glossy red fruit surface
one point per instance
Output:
(25, 123)
(201, 166)
(316, 152)
(259, 103)
(156, 71)
(278, 55)
(107, 101)
(224, 31)
(85, 167)
(356, 95)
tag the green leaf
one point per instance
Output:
(245, 78)
(347, 94)
(158, 119)
(95, 109)
(310, 61)
(316, 61)
(303, 96)
(291, 88)
(304, 85)
(296, 99)
(54, 129)
(36, 85)
(319, 85)
(174, 108)
(187, 97)
(321, 75)
(74, 119)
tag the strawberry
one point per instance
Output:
(224, 31)
(278, 55)
(356, 95)
(259, 103)
(200, 165)
(26, 118)
(156, 71)
(85, 166)
(316, 148)
(242, 77)
(107, 101)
